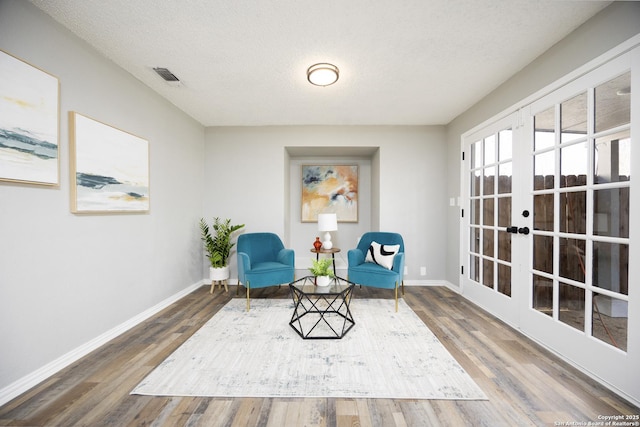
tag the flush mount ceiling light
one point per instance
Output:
(323, 74)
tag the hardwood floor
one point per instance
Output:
(525, 384)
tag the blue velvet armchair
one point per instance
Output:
(263, 261)
(371, 274)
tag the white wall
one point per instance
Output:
(66, 279)
(249, 180)
(615, 24)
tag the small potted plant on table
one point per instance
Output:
(322, 270)
(218, 247)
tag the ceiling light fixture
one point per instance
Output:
(323, 74)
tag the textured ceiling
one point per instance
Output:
(243, 63)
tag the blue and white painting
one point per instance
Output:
(28, 123)
(110, 168)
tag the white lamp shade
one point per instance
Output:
(327, 222)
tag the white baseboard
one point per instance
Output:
(423, 282)
(234, 281)
(454, 288)
(23, 384)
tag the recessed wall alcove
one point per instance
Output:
(301, 235)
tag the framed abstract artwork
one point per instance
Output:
(330, 189)
(109, 168)
(29, 123)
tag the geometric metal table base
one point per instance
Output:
(321, 312)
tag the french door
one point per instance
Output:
(547, 221)
(493, 195)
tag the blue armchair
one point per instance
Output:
(366, 273)
(263, 261)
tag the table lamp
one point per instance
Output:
(327, 222)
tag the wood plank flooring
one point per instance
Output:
(525, 384)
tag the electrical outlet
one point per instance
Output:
(423, 271)
(406, 270)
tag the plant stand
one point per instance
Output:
(215, 283)
(219, 276)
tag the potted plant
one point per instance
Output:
(321, 269)
(217, 246)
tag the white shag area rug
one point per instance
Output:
(257, 354)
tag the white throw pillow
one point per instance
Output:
(382, 254)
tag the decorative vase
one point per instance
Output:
(323, 281)
(218, 274)
(317, 244)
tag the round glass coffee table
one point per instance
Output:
(321, 312)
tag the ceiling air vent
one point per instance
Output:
(167, 75)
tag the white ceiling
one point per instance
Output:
(244, 62)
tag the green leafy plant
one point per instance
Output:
(322, 267)
(218, 245)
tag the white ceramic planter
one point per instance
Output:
(219, 274)
(323, 281)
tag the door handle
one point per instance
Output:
(512, 229)
(523, 230)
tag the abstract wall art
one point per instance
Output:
(109, 168)
(29, 123)
(330, 189)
